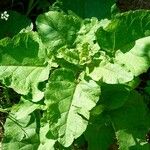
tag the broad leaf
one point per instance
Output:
(123, 30)
(111, 73)
(114, 96)
(57, 29)
(69, 103)
(125, 65)
(21, 133)
(22, 64)
(99, 137)
(24, 108)
(131, 124)
(137, 60)
(100, 134)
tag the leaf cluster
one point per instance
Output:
(77, 76)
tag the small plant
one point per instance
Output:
(5, 15)
(77, 79)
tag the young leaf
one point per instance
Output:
(69, 103)
(86, 42)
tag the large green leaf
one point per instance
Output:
(137, 60)
(125, 65)
(99, 137)
(21, 132)
(22, 64)
(131, 124)
(24, 108)
(89, 8)
(111, 73)
(99, 134)
(114, 96)
(69, 103)
(15, 23)
(57, 29)
(123, 30)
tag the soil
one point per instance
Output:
(125, 5)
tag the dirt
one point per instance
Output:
(125, 5)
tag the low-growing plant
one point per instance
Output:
(77, 78)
